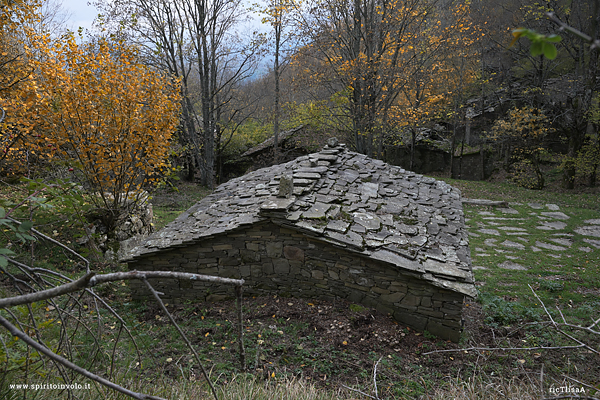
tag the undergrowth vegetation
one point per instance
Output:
(303, 348)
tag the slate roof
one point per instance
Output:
(271, 140)
(364, 205)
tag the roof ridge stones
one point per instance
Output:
(348, 200)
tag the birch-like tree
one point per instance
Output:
(196, 41)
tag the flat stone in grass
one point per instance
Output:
(552, 207)
(552, 226)
(592, 221)
(554, 255)
(513, 245)
(490, 232)
(585, 249)
(556, 215)
(595, 243)
(593, 230)
(512, 265)
(485, 213)
(506, 218)
(535, 249)
(508, 211)
(490, 242)
(512, 228)
(535, 206)
(562, 241)
(549, 246)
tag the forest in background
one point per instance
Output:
(374, 73)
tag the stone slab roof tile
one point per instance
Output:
(412, 222)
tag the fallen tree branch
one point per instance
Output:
(504, 349)
(63, 361)
(90, 280)
(70, 287)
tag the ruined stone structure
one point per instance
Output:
(354, 228)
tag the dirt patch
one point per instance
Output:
(338, 343)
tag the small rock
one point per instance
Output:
(512, 265)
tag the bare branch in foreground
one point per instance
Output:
(63, 361)
(504, 349)
(85, 283)
(91, 280)
(70, 287)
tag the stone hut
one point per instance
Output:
(334, 224)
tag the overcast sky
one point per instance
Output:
(81, 14)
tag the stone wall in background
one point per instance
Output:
(272, 259)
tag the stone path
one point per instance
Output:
(505, 233)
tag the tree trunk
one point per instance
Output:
(276, 111)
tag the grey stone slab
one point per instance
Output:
(556, 215)
(338, 226)
(562, 241)
(349, 238)
(512, 228)
(585, 249)
(397, 239)
(549, 246)
(317, 211)
(310, 227)
(306, 175)
(592, 221)
(535, 249)
(552, 207)
(506, 218)
(485, 213)
(369, 221)
(552, 226)
(508, 211)
(595, 243)
(592, 230)
(398, 260)
(447, 269)
(490, 242)
(369, 189)
(513, 245)
(535, 206)
(489, 232)
(512, 265)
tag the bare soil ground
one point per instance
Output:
(338, 343)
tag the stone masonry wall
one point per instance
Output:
(272, 259)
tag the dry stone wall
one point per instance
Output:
(275, 259)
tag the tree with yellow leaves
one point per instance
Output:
(522, 135)
(391, 58)
(106, 114)
(17, 88)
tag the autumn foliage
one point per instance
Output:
(106, 113)
(94, 107)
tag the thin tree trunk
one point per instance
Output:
(276, 71)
